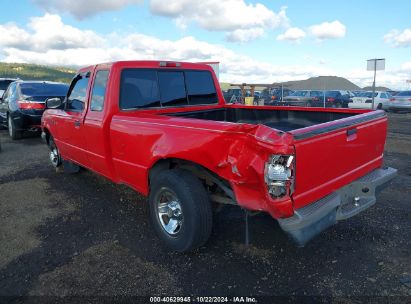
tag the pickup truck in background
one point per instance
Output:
(163, 129)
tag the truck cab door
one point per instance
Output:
(96, 124)
(71, 141)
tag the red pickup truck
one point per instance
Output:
(164, 129)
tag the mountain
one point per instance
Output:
(27, 71)
(314, 83)
(322, 83)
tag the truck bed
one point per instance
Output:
(283, 120)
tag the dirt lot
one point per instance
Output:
(82, 235)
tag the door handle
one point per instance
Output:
(77, 123)
(351, 134)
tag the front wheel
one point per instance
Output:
(55, 157)
(180, 210)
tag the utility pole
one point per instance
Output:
(373, 83)
(375, 64)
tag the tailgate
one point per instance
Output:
(331, 155)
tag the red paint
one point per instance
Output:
(124, 145)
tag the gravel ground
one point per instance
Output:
(82, 235)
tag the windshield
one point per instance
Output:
(4, 84)
(367, 94)
(43, 89)
(299, 93)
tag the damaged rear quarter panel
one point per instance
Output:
(235, 152)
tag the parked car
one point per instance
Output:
(4, 83)
(400, 102)
(23, 104)
(364, 100)
(278, 94)
(333, 99)
(164, 129)
(235, 95)
(303, 98)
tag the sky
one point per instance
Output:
(255, 41)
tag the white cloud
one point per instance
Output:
(83, 9)
(328, 30)
(292, 34)
(47, 32)
(233, 16)
(406, 67)
(245, 35)
(399, 39)
(393, 79)
(12, 35)
(36, 43)
(61, 44)
(218, 15)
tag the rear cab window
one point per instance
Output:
(147, 88)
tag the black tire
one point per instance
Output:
(55, 157)
(14, 134)
(379, 107)
(195, 207)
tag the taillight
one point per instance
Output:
(29, 105)
(279, 175)
(330, 99)
(392, 99)
(409, 99)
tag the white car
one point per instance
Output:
(364, 100)
(399, 102)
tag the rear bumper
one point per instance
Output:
(309, 221)
(24, 121)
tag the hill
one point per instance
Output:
(316, 83)
(27, 71)
(322, 83)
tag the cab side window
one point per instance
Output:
(99, 91)
(77, 96)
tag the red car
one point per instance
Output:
(164, 129)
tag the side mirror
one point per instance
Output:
(53, 103)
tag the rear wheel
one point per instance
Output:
(180, 210)
(379, 107)
(14, 134)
